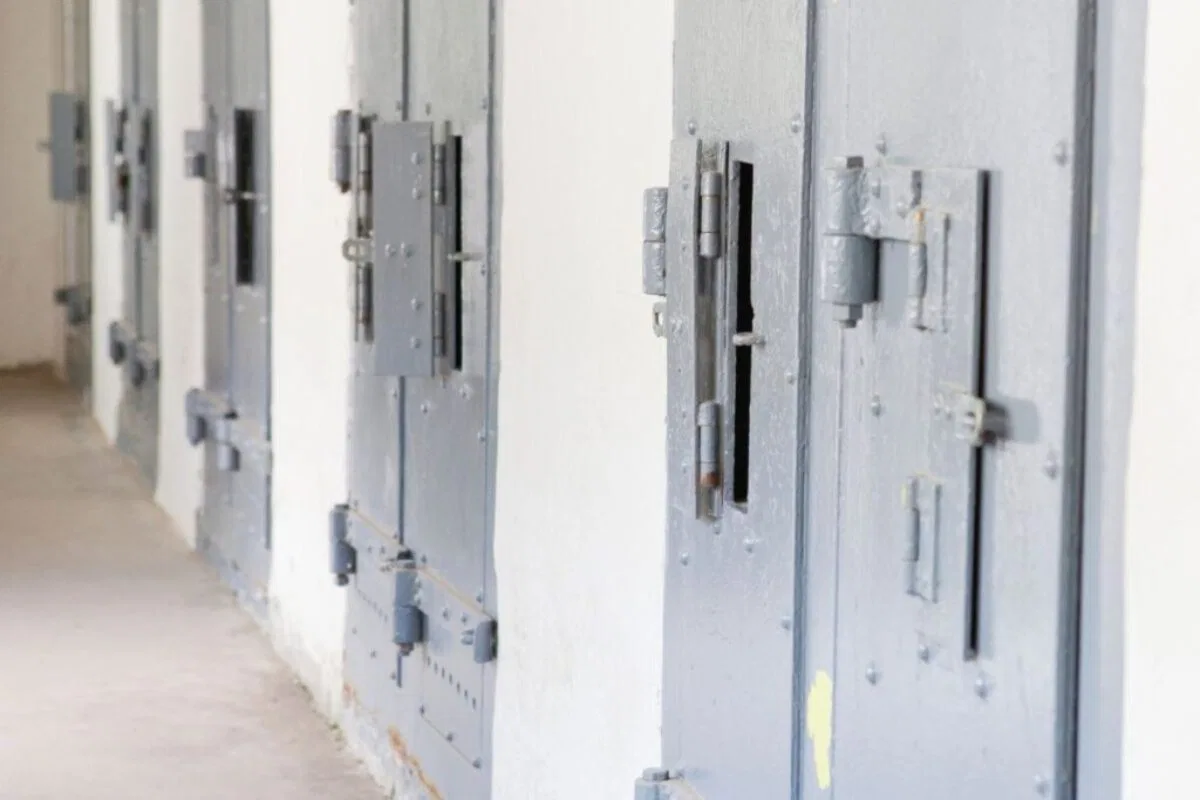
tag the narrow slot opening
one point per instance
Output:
(743, 323)
(975, 562)
(145, 157)
(454, 145)
(362, 201)
(245, 207)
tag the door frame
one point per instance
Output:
(1112, 270)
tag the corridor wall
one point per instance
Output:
(31, 225)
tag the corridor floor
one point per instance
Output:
(126, 671)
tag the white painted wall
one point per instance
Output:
(31, 225)
(181, 261)
(310, 349)
(181, 310)
(1162, 639)
(581, 485)
(108, 289)
(578, 696)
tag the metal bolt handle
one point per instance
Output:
(749, 339)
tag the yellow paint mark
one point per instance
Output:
(818, 716)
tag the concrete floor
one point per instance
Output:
(126, 671)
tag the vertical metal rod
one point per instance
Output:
(918, 270)
(711, 184)
(708, 417)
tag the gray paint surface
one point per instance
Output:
(401, 344)
(932, 594)
(998, 88)
(138, 414)
(234, 522)
(421, 447)
(79, 336)
(71, 180)
(728, 695)
(1120, 56)
(65, 120)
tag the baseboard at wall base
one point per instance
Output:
(44, 369)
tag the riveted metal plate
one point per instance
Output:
(402, 342)
(460, 638)
(67, 122)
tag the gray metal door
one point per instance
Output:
(230, 414)
(950, 191)
(70, 151)
(873, 418)
(133, 146)
(723, 247)
(414, 542)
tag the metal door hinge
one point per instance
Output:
(195, 154)
(343, 558)
(121, 341)
(653, 785)
(77, 302)
(439, 173)
(350, 170)
(654, 241)
(342, 141)
(350, 163)
(211, 417)
(712, 191)
(408, 618)
(119, 186)
(143, 363)
(708, 421)
(864, 206)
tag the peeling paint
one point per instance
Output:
(401, 751)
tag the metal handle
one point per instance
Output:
(748, 339)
